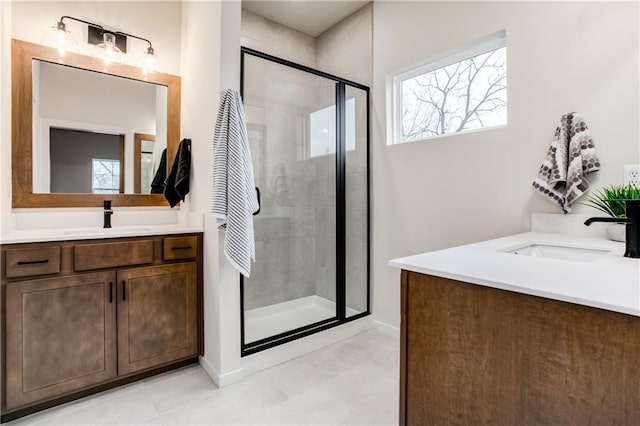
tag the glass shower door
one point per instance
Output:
(356, 188)
(291, 119)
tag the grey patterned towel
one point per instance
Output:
(571, 156)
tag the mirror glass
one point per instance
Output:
(147, 163)
(95, 133)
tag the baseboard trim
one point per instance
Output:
(386, 328)
(221, 380)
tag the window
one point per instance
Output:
(105, 176)
(323, 129)
(461, 91)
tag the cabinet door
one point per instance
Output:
(157, 316)
(60, 336)
(460, 354)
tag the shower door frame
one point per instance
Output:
(341, 279)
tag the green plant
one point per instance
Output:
(610, 199)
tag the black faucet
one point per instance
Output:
(107, 214)
(632, 235)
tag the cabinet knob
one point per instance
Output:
(124, 290)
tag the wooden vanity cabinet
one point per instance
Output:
(475, 355)
(74, 325)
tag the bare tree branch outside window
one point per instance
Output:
(105, 177)
(470, 94)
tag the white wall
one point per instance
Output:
(114, 101)
(212, 64)
(562, 57)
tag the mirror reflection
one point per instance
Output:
(95, 133)
(146, 164)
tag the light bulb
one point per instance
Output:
(59, 38)
(147, 61)
(107, 50)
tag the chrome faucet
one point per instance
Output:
(107, 214)
(632, 228)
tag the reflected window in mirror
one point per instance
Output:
(105, 176)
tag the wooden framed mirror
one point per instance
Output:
(37, 91)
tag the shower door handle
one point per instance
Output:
(259, 205)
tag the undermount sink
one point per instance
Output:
(553, 251)
(104, 231)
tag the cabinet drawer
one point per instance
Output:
(179, 248)
(32, 261)
(111, 255)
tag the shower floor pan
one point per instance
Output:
(260, 323)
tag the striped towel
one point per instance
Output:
(562, 177)
(234, 195)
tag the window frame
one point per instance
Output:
(486, 44)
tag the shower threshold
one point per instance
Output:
(271, 320)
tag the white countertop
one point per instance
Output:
(67, 234)
(610, 282)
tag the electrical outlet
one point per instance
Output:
(632, 175)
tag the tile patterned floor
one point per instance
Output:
(353, 382)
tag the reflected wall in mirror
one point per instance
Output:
(82, 129)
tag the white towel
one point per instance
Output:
(234, 194)
(571, 156)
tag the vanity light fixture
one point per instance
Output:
(107, 50)
(111, 45)
(59, 38)
(147, 61)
